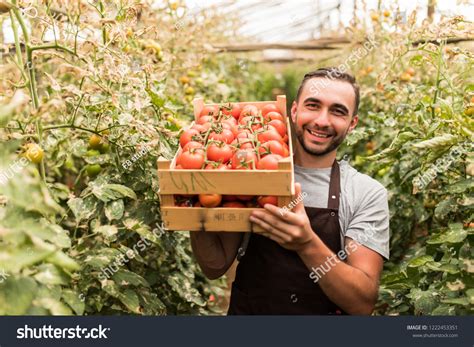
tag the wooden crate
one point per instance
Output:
(232, 182)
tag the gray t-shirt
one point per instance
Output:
(363, 204)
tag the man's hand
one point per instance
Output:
(292, 230)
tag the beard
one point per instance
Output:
(320, 149)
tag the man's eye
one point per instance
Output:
(339, 113)
(311, 105)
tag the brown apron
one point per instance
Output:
(272, 280)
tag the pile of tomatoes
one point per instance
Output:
(233, 137)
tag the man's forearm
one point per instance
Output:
(348, 287)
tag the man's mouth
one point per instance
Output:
(319, 134)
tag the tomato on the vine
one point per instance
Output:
(269, 162)
(34, 153)
(217, 166)
(269, 108)
(224, 135)
(188, 135)
(95, 141)
(244, 160)
(192, 159)
(249, 110)
(274, 116)
(268, 134)
(234, 204)
(209, 111)
(191, 145)
(279, 126)
(219, 152)
(268, 199)
(273, 147)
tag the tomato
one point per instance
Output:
(95, 141)
(188, 135)
(269, 162)
(229, 198)
(92, 153)
(243, 143)
(272, 200)
(274, 115)
(229, 119)
(34, 153)
(411, 71)
(104, 148)
(279, 126)
(236, 111)
(210, 200)
(217, 166)
(234, 204)
(197, 204)
(209, 110)
(268, 134)
(201, 127)
(178, 167)
(205, 119)
(192, 144)
(269, 108)
(230, 127)
(220, 152)
(272, 147)
(285, 138)
(249, 110)
(224, 135)
(93, 169)
(192, 159)
(244, 160)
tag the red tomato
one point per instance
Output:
(205, 119)
(268, 134)
(192, 144)
(210, 200)
(178, 167)
(244, 160)
(285, 138)
(229, 119)
(236, 110)
(274, 115)
(269, 108)
(234, 204)
(273, 147)
(243, 143)
(272, 200)
(192, 159)
(220, 152)
(217, 166)
(279, 126)
(209, 110)
(229, 198)
(249, 110)
(269, 162)
(245, 134)
(201, 127)
(231, 127)
(197, 204)
(224, 135)
(187, 136)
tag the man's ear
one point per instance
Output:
(293, 111)
(354, 121)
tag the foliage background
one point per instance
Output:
(132, 81)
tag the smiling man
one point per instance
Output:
(325, 256)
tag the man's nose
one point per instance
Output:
(322, 119)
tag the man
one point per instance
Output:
(325, 255)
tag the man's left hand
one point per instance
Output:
(290, 229)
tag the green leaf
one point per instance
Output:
(16, 295)
(50, 274)
(439, 141)
(114, 209)
(457, 301)
(419, 261)
(124, 278)
(63, 261)
(82, 208)
(130, 299)
(455, 234)
(74, 300)
(109, 192)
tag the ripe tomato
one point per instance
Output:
(210, 200)
(243, 143)
(220, 152)
(201, 127)
(179, 167)
(217, 166)
(224, 135)
(192, 159)
(192, 144)
(274, 115)
(188, 135)
(279, 126)
(268, 134)
(268, 199)
(269, 108)
(236, 111)
(244, 160)
(209, 110)
(272, 147)
(229, 119)
(269, 162)
(249, 110)
(245, 134)
(205, 119)
(231, 127)
(234, 204)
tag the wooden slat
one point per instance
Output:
(208, 219)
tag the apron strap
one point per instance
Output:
(334, 187)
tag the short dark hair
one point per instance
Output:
(335, 74)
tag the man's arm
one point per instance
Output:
(215, 252)
(353, 285)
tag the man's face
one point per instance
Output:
(323, 115)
